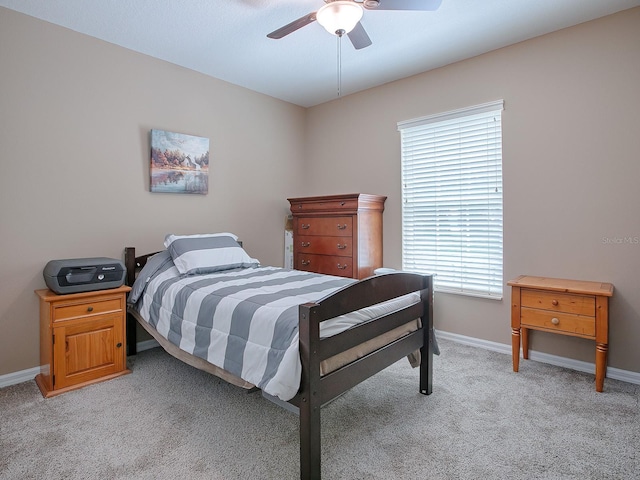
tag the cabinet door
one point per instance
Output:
(86, 349)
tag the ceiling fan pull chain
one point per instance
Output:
(339, 55)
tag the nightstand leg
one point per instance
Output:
(515, 348)
(525, 343)
(601, 364)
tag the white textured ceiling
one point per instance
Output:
(227, 39)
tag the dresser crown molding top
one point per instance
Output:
(338, 234)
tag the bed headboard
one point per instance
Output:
(134, 264)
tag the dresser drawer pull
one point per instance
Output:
(554, 303)
(342, 246)
(342, 267)
(306, 262)
(89, 309)
(305, 226)
(305, 244)
(342, 227)
(555, 321)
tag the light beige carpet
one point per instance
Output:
(168, 420)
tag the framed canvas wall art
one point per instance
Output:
(179, 163)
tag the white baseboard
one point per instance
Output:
(580, 366)
(146, 345)
(19, 377)
(614, 373)
(30, 373)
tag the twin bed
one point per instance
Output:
(300, 337)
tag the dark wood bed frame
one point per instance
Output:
(316, 390)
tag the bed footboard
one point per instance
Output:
(316, 390)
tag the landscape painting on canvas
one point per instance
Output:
(179, 163)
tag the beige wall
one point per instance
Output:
(571, 144)
(75, 115)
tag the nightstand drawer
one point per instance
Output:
(559, 302)
(558, 322)
(87, 308)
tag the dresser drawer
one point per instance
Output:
(340, 246)
(559, 302)
(327, 264)
(332, 226)
(332, 206)
(87, 308)
(558, 322)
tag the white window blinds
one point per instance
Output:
(452, 199)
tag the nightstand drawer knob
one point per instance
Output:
(554, 303)
(555, 321)
(89, 309)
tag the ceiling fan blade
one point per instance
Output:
(293, 26)
(402, 4)
(359, 37)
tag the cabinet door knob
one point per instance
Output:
(119, 344)
(555, 321)
(89, 309)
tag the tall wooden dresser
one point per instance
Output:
(338, 234)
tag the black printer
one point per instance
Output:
(77, 275)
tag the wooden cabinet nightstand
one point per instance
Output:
(82, 339)
(338, 234)
(569, 307)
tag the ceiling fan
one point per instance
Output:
(343, 16)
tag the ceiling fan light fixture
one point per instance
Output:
(339, 17)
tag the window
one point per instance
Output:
(452, 199)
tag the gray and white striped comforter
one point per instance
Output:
(245, 320)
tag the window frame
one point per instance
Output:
(440, 226)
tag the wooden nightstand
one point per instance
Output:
(82, 339)
(568, 307)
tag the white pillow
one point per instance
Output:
(207, 253)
